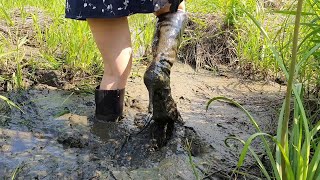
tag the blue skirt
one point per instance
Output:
(83, 9)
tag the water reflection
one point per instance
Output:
(104, 130)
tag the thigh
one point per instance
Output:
(166, 9)
(110, 34)
(110, 27)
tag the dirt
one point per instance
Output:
(55, 137)
(25, 23)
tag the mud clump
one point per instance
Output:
(141, 120)
(73, 140)
(52, 78)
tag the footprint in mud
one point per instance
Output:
(195, 145)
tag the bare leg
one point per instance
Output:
(112, 37)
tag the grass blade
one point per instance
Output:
(6, 15)
(313, 33)
(315, 130)
(263, 169)
(273, 49)
(6, 54)
(289, 172)
(266, 145)
(293, 12)
(280, 124)
(246, 146)
(307, 56)
(314, 165)
(305, 152)
(10, 103)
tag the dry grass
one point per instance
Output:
(208, 42)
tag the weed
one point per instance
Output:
(294, 158)
(193, 166)
(10, 103)
(17, 170)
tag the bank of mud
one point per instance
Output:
(55, 137)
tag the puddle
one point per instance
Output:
(106, 131)
(18, 146)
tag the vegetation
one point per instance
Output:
(10, 103)
(67, 45)
(298, 152)
(272, 40)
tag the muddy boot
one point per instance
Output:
(109, 104)
(166, 42)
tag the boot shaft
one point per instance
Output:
(168, 35)
(109, 104)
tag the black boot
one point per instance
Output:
(165, 46)
(109, 104)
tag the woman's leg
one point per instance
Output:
(167, 38)
(112, 37)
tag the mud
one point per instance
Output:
(26, 22)
(55, 137)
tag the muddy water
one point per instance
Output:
(55, 137)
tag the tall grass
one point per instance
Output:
(298, 155)
(253, 46)
(68, 44)
(64, 43)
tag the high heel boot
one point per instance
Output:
(169, 30)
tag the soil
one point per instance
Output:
(55, 137)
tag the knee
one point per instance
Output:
(120, 66)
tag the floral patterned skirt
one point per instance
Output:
(83, 9)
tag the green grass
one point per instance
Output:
(188, 147)
(254, 47)
(68, 44)
(10, 103)
(297, 153)
(204, 6)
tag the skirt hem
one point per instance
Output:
(83, 18)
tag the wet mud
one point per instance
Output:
(56, 136)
